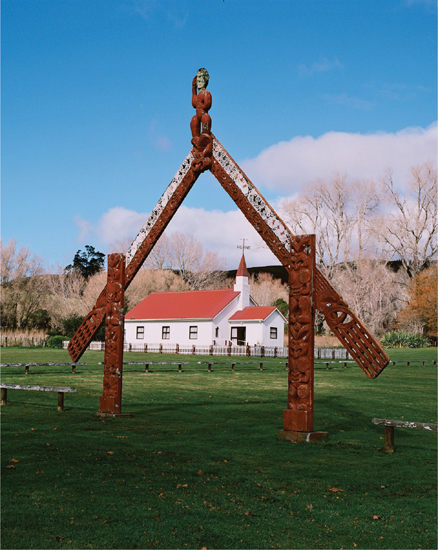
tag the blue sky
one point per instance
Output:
(96, 107)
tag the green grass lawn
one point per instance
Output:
(200, 464)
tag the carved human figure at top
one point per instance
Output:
(201, 101)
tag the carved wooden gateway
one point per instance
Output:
(308, 288)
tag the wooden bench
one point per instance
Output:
(60, 390)
(27, 365)
(391, 424)
(408, 362)
(233, 365)
(147, 363)
(326, 363)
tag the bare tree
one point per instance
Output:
(120, 246)
(144, 283)
(161, 256)
(91, 291)
(153, 280)
(324, 209)
(408, 230)
(22, 281)
(366, 198)
(265, 290)
(373, 291)
(63, 298)
(184, 254)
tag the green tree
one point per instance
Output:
(282, 306)
(39, 319)
(87, 263)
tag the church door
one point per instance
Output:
(238, 336)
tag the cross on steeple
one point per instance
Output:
(243, 246)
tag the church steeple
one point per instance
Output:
(242, 284)
(242, 271)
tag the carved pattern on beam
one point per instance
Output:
(298, 416)
(111, 399)
(351, 332)
(250, 193)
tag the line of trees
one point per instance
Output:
(372, 241)
(34, 297)
(377, 245)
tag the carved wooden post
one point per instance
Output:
(111, 399)
(298, 417)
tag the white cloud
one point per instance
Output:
(217, 231)
(286, 166)
(222, 232)
(350, 101)
(85, 228)
(144, 8)
(428, 4)
(116, 224)
(177, 19)
(158, 139)
(319, 67)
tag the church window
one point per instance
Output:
(273, 333)
(193, 333)
(140, 333)
(165, 333)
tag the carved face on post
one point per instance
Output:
(202, 78)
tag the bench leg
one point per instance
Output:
(179, 367)
(60, 401)
(26, 370)
(389, 439)
(261, 366)
(209, 367)
(233, 367)
(4, 395)
(73, 369)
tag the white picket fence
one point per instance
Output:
(253, 351)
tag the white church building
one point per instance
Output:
(205, 317)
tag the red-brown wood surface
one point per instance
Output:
(111, 398)
(298, 416)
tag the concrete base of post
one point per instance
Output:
(298, 437)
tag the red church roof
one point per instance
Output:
(192, 304)
(259, 313)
